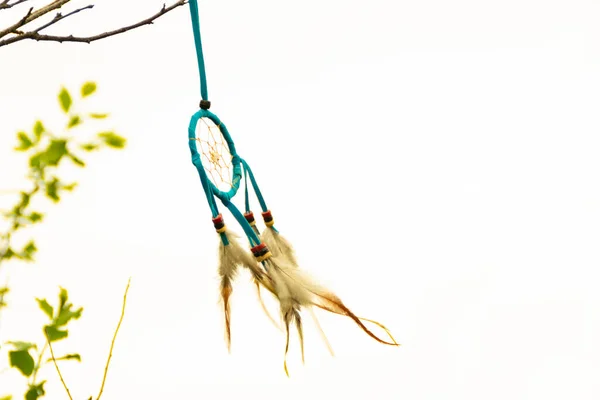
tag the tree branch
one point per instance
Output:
(33, 15)
(6, 4)
(35, 35)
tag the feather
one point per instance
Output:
(286, 292)
(295, 289)
(278, 245)
(332, 303)
(227, 271)
(231, 256)
(298, 322)
(292, 316)
(306, 292)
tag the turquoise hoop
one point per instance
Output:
(235, 161)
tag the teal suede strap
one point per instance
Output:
(198, 42)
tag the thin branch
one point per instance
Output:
(35, 35)
(33, 15)
(112, 344)
(60, 17)
(39, 361)
(14, 27)
(58, 369)
(5, 5)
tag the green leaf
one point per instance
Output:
(56, 151)
(28, 251)
(74, 121)
(38, 129)
(98, 116)
(35, 217)
(8, 254)
(35, 391)
(63, 296)
(25, 199)
(22, 360)
(64, 97)
(22, 346)
(66, 314)
(76, 160)
(8, 397)
(88, 88)
(46, 307)
(30, 247)
(36, 160)
(69, 187)
(89, 146)
(75, 357)
(112, 139)
(52, 190)
(53, 333)
(3, 292)
(25, 143)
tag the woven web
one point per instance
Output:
(214, 153)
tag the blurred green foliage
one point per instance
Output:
(47, 152)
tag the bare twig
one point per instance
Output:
(112, 344)
(58, 369)
(33, 15)
(35, 35)
(6, 4)
(59, 17)
(15, 27)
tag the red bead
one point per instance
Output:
(267, 216)
(259, 247)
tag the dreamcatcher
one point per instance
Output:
(271, 260)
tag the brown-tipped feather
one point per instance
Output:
(287, 320)
(298, 322)
(292, 315)
(379, 324)
(226, 290)
(343, 310)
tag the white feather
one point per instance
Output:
(231, 256)
(227, 261)
(279, 246)
(241, 256)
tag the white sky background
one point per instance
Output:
(434, 162)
